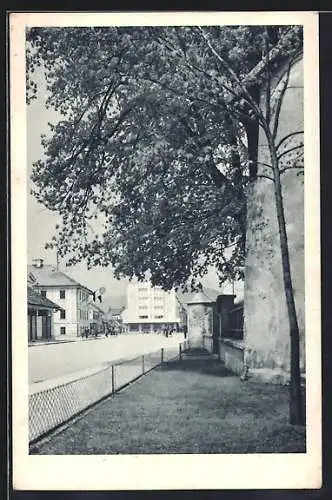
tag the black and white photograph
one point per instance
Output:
(165, 250)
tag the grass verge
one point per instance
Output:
(191, 407)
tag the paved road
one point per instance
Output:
(55, 360)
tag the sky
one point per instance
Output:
(41, 222)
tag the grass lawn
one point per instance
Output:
(192, 407)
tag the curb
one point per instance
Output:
(52, 342)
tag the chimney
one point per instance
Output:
(38, 262)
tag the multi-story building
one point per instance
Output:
(151, 308)
(72, 297)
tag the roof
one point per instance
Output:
(200, 298)
(36, 299)
(49, 276)
(209, 295)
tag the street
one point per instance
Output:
(55, 360)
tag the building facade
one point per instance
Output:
(71, 320)
(151, 309)
(40, 316)
(96, 319)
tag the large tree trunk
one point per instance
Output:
(296, 401)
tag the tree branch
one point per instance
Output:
(268, 89)
(264, 164)
(295, 167)
(279, 104)
(265, 177)
(299, 146)
(288, 136)
(270, 57)
(235, 78)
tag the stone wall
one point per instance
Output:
(266, 328)
(208, 343)
(232, 355)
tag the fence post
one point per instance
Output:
(180, 353)
(162, 355)
(113, 381)
(143, 369)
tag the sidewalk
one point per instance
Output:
(84, 339)
(193, 406)
(61, 341)
(71, 339)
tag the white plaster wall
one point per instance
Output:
(71, 305)
(150, 299)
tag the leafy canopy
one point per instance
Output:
(149, 164)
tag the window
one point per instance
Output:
(62, 330)
(43, 293)
(143, 317)
(159, 307)
(62, 314)
(158, 299)
(62, 294)
(142, 289)
(159, 317)
(83, 314)
(142, 307)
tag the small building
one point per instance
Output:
(40, 316)
(200, 310)
(116, 313)
(96, 319)
(71, 320)
(212, 317)
(110, 324)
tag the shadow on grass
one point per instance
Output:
(200, 363)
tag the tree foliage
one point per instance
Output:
(149, 164)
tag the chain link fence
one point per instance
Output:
(53, 402)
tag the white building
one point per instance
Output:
(72, 297)
(151, 308)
